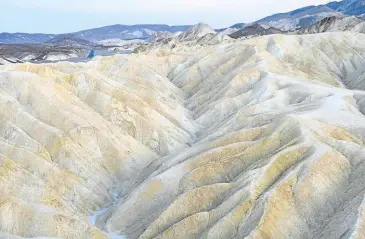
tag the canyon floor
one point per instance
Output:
(259, 138)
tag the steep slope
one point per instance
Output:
(213, 39)
(276, 154)
(262, 138)
(75, 135)
(306, 16)
(254, 30)
(229, 31)
(302, 17)
(238, 25)
(200, 34)
(161, 36)
(349, 7)
(334, 24)
(232, 29)
(196, 32)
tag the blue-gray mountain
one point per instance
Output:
(123, 32)
(19, 38)
(349, 7)
(303, 17)
(307, 16)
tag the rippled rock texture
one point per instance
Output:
(262, 138)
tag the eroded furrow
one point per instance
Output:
(262, 138)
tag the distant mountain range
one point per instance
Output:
(348, 7)
(125, 32)
(333, 24)
(70, 40)
(19, 38)
(299, 18)
(307, 16)
(122, 32)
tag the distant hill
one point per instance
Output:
(307, 16)
(125, 32)
(333, 24)
(196, 32)
(255, 30)
(237, 26)
(70, 40)
(302, 17)
(348, 7)
(20, 38)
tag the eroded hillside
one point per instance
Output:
(262, 138)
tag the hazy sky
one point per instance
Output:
(60, 16)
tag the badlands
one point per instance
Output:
(256, 138)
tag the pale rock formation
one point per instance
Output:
(213, 39)
(161, 36)
(198, 35)
(254, 31)
(122, 44)
(59, 57)
(230, 30)
(196, 32)
(262, 138)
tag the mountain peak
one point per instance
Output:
(195, 32)
(255, 30)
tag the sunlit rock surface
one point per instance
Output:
(262, 138)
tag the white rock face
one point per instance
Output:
(262, 138)
(119, 42)
(229, 31)
(213, 39)
(161, 36)
(4, 61)
(196, 32)
(176, 34)
(59, 57)
(198, 35)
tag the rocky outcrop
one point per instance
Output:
(17, 53)
(335, 24)
(255, 30)
(161, 36)
(196, 32)
(197, 36)
(212, 39)
(262, 138)
(299, 18)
